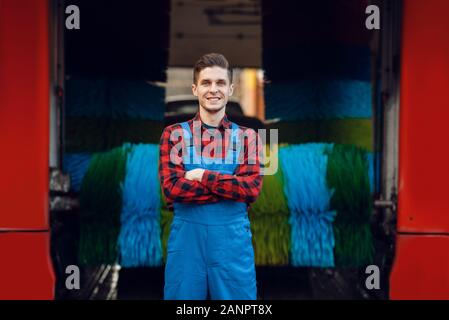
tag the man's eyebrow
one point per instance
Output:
(218, 80)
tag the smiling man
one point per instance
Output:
(209, 250)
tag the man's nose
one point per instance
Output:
(213, 87)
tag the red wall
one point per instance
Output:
(423, 202)
(421, 268)
(25, 270)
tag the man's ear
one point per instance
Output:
(231, 89)
(194, 90)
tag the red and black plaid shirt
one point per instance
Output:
(243, 186)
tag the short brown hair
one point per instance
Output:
(211, 60)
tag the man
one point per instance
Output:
(209, 250)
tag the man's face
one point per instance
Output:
(213, 88)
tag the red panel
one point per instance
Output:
(421, 268)
(24, 113)
(26, 270)
(424, 118)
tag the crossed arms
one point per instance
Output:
(206, 186)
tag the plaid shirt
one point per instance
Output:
(243, 186)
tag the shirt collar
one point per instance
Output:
(224, 123)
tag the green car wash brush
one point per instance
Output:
(347, 174)
(100, 207)
(269, 223)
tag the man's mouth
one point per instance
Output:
(213, 99)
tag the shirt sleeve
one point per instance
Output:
(246, 183)
(175, 187)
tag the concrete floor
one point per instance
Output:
(148, 283)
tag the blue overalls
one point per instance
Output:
(210, 248)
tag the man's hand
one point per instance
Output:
(194, 175)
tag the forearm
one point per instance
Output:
(185, 191)
(233, 187)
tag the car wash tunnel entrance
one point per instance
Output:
(360, 116)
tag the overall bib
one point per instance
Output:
(209, 250)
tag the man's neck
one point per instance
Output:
(212, 119)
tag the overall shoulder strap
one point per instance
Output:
(233, 149)
(235, 136)
(187, 134)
